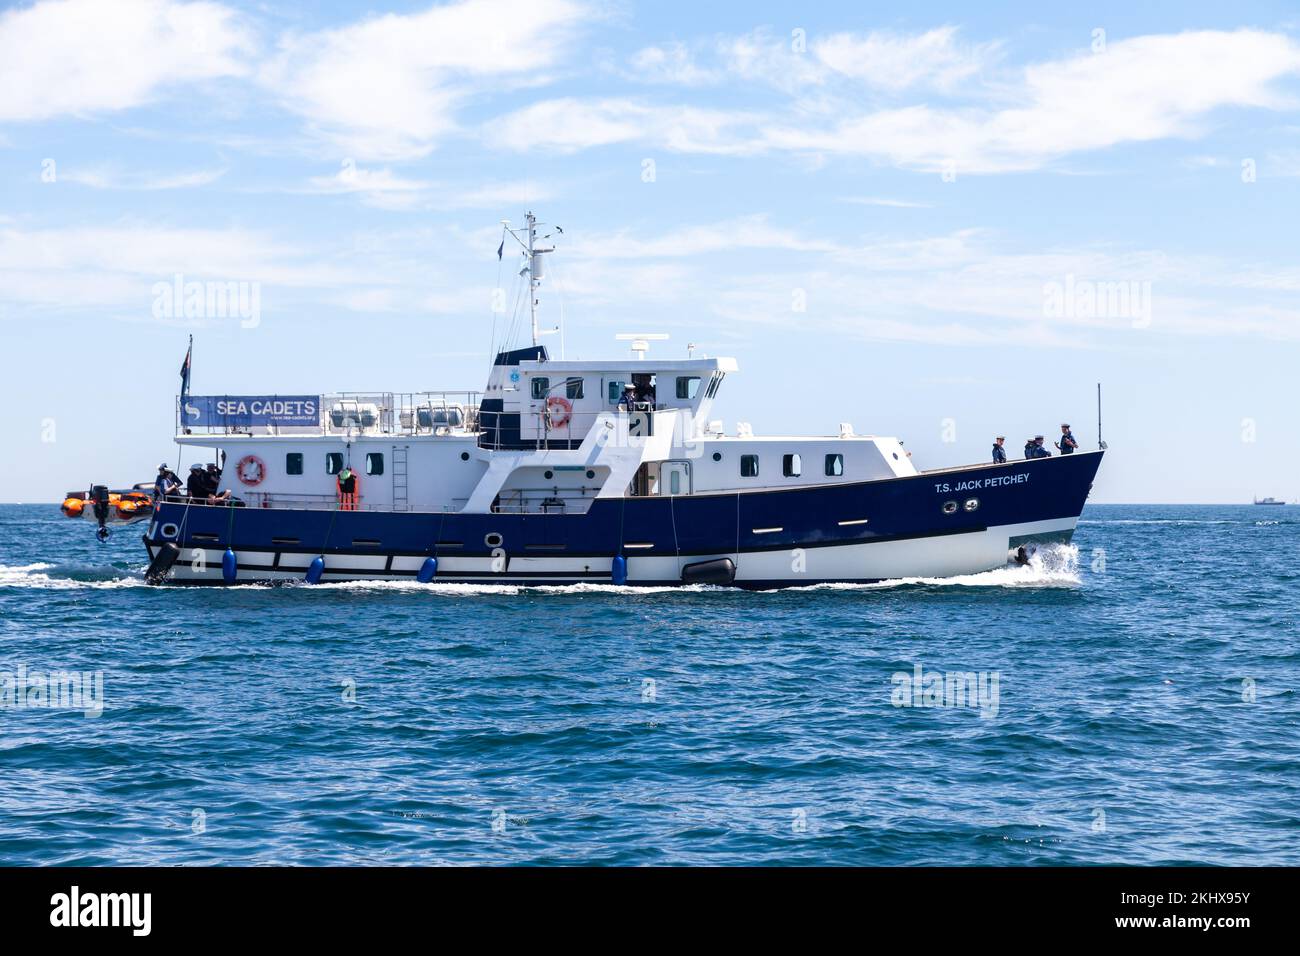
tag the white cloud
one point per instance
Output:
(86, 56)
(895, 61)
(569, 124)
(672, 63)
(1146, 88)
(389, 86)
(1141, 89)
(107, 177)
(885, 201)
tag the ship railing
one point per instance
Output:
(549, 500)
(540, 430)
(364, 413)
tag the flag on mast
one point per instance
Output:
(185, 371)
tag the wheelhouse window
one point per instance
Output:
(333, 462)
(541, 386)
(374, 463)
(293, 463)
(616, 391)
(834, 466)
(748, 466)
(688, 386)
(573, 388)
(791, 466)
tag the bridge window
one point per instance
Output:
(615, 392)
(834, 466)
(573, 388)
(374, 463)
(748, 466)
(333, 462)
(541, 385)
(791, 466)
(293, 463)
(688, 386)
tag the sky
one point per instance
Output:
(929, 220)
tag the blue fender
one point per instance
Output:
(315, 570)
(229, 566)
(618, 570)
(427, 570)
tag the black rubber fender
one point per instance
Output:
(717, 571)
(162, 563)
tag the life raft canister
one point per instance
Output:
(561, 417)
(250, 470)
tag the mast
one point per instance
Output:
(536, 271)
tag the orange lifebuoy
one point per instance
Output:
(566, 407)
(250, 470)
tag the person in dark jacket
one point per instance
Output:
(196, 485)
(1067, 444)
(166, 483)
(999, 452)
(1035, 449)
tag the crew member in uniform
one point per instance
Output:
(628, 398)
(999, 453)
(1067, 444)
(1035, 449)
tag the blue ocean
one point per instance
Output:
(1128, 699)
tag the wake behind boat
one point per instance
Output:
(580, 471)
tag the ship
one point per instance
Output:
(564, 472)
(1269, 501)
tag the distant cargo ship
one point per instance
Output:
(1269, 501)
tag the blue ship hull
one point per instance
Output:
(862, 531)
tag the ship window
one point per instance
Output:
(791, 466)
(541, 385)
(293, 463)
(834, 466)
(374, 463)
(333, 462)
(688, 386)
(748, 466)
(615, 392)
(573, 388)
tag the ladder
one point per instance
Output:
(400, 501)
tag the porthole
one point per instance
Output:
(971, 504)
(492, 539)
(895, 456)
(548, 475)
(591, 474)
(169, 530)
(717, 456)
(950, 507)
(464, 456)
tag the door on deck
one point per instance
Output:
(675, 478)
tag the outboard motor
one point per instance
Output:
(99, 500)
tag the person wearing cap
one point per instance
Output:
(166, 483)
(1035, 449)
(628, 398)
(196, 485)
(1067, 444)
(999, 452)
